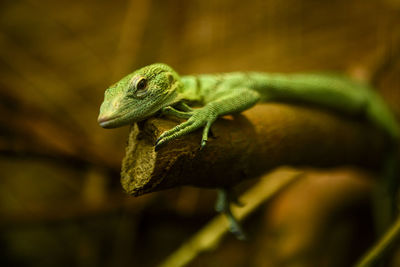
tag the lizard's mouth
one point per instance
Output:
(107, 122)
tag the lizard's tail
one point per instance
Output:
(385, 199)
(378, 112)
(385, 195)
(386, 211)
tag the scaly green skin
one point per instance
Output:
(222, 94)
(158, 87)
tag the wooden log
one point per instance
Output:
(247, 145)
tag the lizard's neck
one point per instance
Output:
(179, 93)
(189, 90)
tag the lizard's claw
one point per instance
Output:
(203, 144)
(223, 206)
(198, 118)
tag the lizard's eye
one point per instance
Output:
(141, 87)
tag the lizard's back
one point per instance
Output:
(327, 90)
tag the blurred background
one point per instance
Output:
(61, 203)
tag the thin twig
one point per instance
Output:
(379, 249)
(209, 237)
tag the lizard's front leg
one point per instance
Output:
(181, 110)
(235, 100)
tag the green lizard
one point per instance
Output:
(158, 88)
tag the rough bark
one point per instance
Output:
(247, 145)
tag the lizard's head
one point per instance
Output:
(139, 95)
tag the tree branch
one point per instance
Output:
(245, 146)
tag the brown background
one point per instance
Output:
(60, 199)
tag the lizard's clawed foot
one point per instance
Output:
(223, 206)
(197, 118)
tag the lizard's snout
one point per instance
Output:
(107, 121)
(101, 119)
